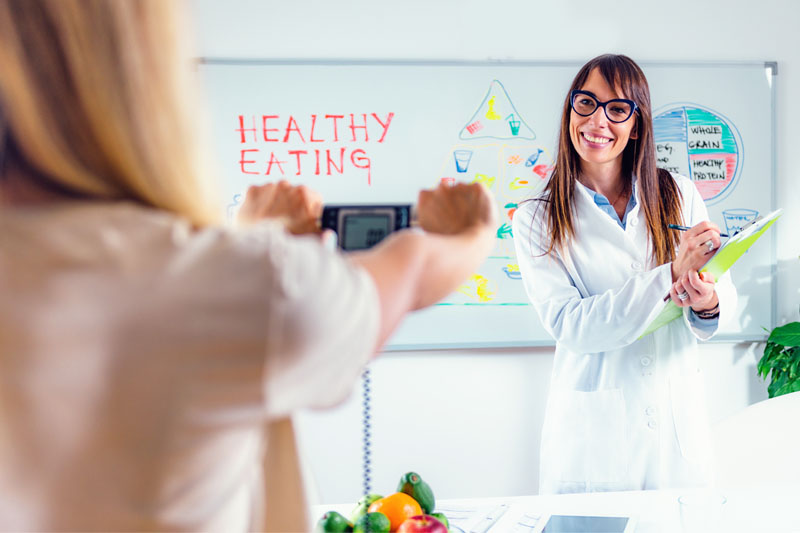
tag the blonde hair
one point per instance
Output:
(100, 100)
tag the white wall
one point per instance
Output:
(470, 420)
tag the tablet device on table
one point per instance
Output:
(586, 524)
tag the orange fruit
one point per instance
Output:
(397, 507)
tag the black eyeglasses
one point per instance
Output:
(617, 110)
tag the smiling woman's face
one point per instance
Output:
(598, 141)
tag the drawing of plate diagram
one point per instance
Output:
(496, 148)
(699, 143)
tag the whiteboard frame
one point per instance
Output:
(771, 71)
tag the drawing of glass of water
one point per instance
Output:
(735, 219)
(462, 158)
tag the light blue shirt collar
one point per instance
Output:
(605, 206)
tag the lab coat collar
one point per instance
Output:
(633, 238)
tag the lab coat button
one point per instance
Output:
(651, 424)
(636, 265)
(634, 221)
(645, 361)
(649, 411)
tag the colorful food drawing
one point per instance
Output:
(486, 180)
(519, 183)
(491, 114)
(478, 289)
(699, 143)
(495, 105)
(462, 159)
(505, 231)
(512, 271)
(533, 158)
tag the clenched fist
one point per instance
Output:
(296, 206)
(454, 209)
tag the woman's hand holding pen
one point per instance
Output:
(690, 288)
(697, 246)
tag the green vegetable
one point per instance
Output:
(373, 523)
(362, 506)
(413, 485)
(441, 518)
(333, 522)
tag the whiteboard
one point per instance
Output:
(376, 132)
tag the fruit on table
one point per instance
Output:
(333, 522)
(441, 518)
(373, 523)
(398, 507)
(362, 506)
(422, 524)
(413, 485)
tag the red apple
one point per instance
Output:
(423, 523)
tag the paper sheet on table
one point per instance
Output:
(467, 518)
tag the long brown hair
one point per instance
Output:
(659, 195)
(100, 102)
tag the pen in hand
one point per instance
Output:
(684, 228)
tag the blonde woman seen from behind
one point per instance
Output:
(144, 349)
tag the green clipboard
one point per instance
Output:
(726, 256)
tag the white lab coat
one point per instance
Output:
(623, 413)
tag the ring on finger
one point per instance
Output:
(683, 296)
(710, 245)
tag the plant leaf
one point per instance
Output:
(762, 368)
(792, 386)
(778, 381)
(763, 363)
(787, 335)
(771, 350)
(774, 352)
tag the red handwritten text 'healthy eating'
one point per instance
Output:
(340, 129)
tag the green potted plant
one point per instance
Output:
(782, 358)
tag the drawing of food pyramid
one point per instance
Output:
(496, 118)
(496, 148)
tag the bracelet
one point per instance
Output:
(708, 314)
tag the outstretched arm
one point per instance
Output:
(411, 269)
(415, 269)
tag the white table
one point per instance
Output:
(763, 509)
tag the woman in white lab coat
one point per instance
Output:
(624, 412)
